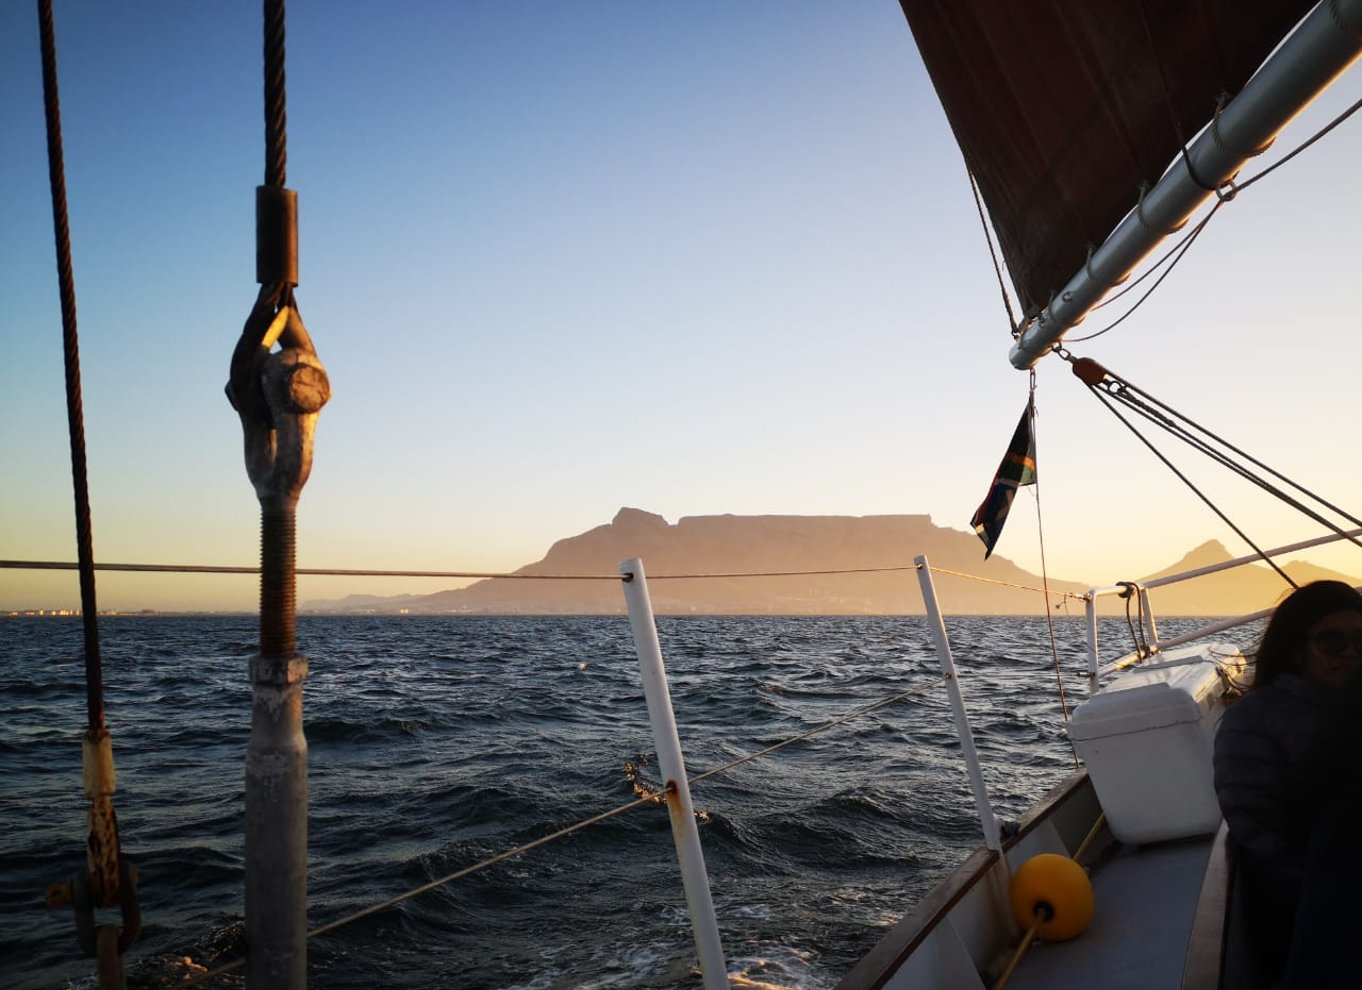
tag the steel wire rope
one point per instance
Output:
(75, 410)
(108, 878)
(1136, 398)
(1135, 403)
(647, 799)
(1106, 401)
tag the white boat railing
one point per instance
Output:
(676, 786)
(671, 763)
(1152, 644)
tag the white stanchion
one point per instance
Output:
(992, 838)
(671, 764)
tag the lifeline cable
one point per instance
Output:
(648, 799)
(60, 565)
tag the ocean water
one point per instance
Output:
(436, 742)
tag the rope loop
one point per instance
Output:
(1343, 24)
(1224, 145)
(1144, 221)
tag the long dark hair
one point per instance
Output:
(1292, 621)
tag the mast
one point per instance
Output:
(1327, 41)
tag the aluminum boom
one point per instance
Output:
(1327, 41)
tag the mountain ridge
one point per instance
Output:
(779, 564)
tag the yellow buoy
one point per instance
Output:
(1056, 889)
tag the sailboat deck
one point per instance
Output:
(1146, 898)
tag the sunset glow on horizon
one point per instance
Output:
(558, 259)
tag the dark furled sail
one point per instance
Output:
(1065, 108)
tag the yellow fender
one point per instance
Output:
(1055, 890)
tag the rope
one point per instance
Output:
(1137, 636)
(1180, 247)
(1136, 398)
(109, 875)
(920, 689)
(75, 413)
(1168, 418)
(997, 267)
(647, 799)
(456, 875)
(1150, 270)
(1305, 144)
(56, 565)
(1103, 396)
(983, 580)
(1185, 246)
(1045, 578)
(1168, 104)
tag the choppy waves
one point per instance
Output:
(435, 743)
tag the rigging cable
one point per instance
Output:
(1161, 413)
(1182, 427)
(110, 879)
(1106, 401)
(1045, 577)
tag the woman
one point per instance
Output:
(1272, 761)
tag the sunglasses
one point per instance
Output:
(1335, 643)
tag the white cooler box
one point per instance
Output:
(1147, 740)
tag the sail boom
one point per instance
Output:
(1327, 41)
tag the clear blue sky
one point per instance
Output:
(558, 258)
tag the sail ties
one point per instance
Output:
(1113, 391)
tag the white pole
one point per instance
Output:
(943, 653)
(1151, 631)
(1094, 658)
(713, 969)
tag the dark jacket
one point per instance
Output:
(1269, 787)
(1264, 777)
